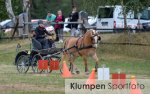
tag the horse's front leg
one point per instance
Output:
(96, 61)
(86, 67)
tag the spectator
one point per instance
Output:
(59, 27)
(74, 16)
(50, 17)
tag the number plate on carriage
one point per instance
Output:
(42, 64)
(54, 65)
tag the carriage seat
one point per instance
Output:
(36, 44)
(38, 48)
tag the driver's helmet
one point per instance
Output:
(40, 22)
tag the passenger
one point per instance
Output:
(59, 27)
(39, 35)
(51, 39)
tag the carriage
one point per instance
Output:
(30, 58)
(83, 46)
(73, 47)
(27, 58)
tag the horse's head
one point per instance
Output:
(95, 37)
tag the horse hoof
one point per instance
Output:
(87, 73)
(77, 72)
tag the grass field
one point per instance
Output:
(132, 60)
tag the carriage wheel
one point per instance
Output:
(35, 63)
(23, 64)
(70, 67)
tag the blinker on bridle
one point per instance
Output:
(92, 38)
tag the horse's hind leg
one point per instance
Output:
(63, 58)
(96, 61)
(86, 67)
(73, 67)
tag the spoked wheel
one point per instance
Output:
(69, 65)
(23, 64)
(35, 63)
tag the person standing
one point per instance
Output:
(50, 17)
(74, 16)
(59, 27)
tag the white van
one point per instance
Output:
(111, 17)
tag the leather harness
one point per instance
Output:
(78, 48)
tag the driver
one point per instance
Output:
(39, 35)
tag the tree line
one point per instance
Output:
(39, 8)
(36, 9)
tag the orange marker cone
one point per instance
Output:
(66, 73)
(134, 90)
(91, 80)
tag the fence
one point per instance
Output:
(85, 25)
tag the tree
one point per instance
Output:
(3, 13)
(10, 10)
(26, 10)
(16, 6)
(16, 19)
(138, 6)
(91, 6)
(73, 3)
(39, 8)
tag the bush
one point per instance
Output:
(2, 34)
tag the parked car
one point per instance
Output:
(146, 25)
(92, 20)
(111, 17)
(7, 25)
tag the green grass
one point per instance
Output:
(132, 60)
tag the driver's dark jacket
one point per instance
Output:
(40, 32)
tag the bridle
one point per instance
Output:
(95, 38)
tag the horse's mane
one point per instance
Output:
(87, 37)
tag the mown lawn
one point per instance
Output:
(132, 60)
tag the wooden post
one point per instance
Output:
(124, 15)
(73, 3)
(26, 8)
(21, 21)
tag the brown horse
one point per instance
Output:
(84, 46)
